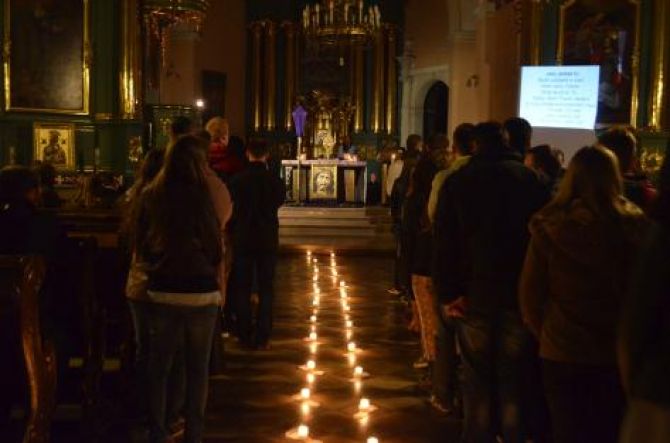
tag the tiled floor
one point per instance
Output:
(254, 401)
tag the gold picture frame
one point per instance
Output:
(53, 143)
(47, 33)
(323, 182)
(590, 22)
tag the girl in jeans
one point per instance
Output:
(176, 234)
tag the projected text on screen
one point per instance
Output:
(559, 96)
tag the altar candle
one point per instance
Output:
(346, 21)
(351, 346)
(305, 393)
(311, 364)
(358, 371)
(303, 431)
(364, 405)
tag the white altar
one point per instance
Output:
(325, 181)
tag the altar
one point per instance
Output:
(328, 182)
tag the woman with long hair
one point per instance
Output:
(572, 286)
(417, 235)
(176, 234)
(644, 341)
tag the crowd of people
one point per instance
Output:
(538, 292)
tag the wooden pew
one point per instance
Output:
(21, 278)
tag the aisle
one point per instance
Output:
(259, 399)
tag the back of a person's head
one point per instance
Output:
(181, 125)
(519, 133)
(438, 142)
(488, 138)
(593, 178)
(183, 162)
(47, 174)
(463, 135)
(413, 142)
(543, 159)
(258, 148)
(621, 141)
(217, 127)
(15, 184)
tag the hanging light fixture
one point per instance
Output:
(333, 22)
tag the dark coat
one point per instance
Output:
(645, 332)
(574, 278)
(481, 231)
(257, 195)
(417, 235)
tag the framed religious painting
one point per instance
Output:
(53, 143)
(323, 182)
(605, 33)
(47, 56)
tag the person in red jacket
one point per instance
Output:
(222, 159)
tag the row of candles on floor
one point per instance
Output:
(365, 407)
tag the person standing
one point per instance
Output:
(481, 236)
(176, 234)
(644, 340)
(574, 278)
(257, 195)
(222, 158)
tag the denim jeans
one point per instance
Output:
(171, 328)
(261, 264)
(494, 350)
(445, 367)
(586, 402)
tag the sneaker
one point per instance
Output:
(421, 363)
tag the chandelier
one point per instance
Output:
(333, 22)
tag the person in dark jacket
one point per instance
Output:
(417, 238)
(575, 275)
(644, 339)
(257, 195)
(176, 235)
(637, 187)
(481, 236)
(518, 133)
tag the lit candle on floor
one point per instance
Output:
(349, 334)
(311, 365)
(332, 255)
(305, 393)
(313, 328)
(316, 260)
(311, 378)
(313, 319)
(342, 284)
(347, 308)
(350, 324)
(315, 302)
(315, 278)
(317, 290)
(303, 431)
(312, 336)
(304, 407)
(312, 348)
(373, 440)
(352, 359)
(364, 405)
(358, 371)
(351, 346)
(357, 386)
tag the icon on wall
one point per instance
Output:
(54, 144)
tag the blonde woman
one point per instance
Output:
(572, 285)
(222, 159)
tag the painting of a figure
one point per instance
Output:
(47, 70)
(54, 144)
(604, 32)
(324, 182)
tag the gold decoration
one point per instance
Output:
(333, 22)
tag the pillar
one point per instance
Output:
(378, 84)
(290, 74)
(270, 68)
(659, 115)
(358, 86)
(391, 80)
(256, 30)
(130, 81)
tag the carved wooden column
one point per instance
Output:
(358, 86)
(256, 30)
(659, 115)
(378, 84)
(391, 80)
(270, 68)
(130, 79)
(290, 74)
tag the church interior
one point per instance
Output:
(335, 99)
